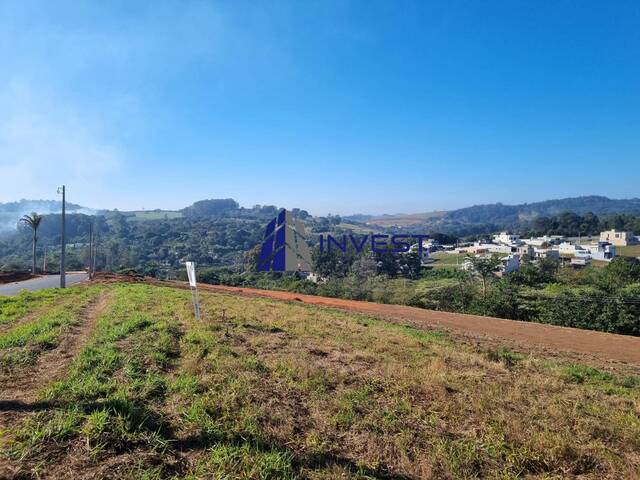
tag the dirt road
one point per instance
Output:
(606, 346)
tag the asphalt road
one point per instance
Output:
(49, 281)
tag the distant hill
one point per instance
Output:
(11, 212)
(495, 216)
(465, 221)
(399, 219)
(497, 212)
(220, 233)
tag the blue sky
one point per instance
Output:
(332, 106)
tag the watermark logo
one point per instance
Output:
(284, 248)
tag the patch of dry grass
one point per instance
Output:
(265, 389)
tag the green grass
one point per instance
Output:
(153, 215)
(16, 307)
(629, 251)
(270, 390)
(447, 260)
(23, 343)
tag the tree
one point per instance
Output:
(211, 208)
(33, 222)
(365, 266)
(484, 267)
(621, 271)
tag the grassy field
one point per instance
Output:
(447, 260)
(14, 308)
(264, 389)
(404, 219)
(142, 215)
(629, 251)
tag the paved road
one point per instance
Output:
(48, 281)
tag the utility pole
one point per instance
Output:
(90, 248)
(44, 261)
(63, 282)
(94, 257)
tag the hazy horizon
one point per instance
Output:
(88, 209)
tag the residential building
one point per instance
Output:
(505, 238)
(425, 258)
(544, 240)
(524, 251)
(546, 253)
(502, 249)
(617, 238)
(508, 264)
(580, 262)
(602, 251)
(570, 249)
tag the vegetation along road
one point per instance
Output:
(118, 380)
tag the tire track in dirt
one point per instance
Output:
(29, 317)
(19, 391)
(32, 315)
(76, 463)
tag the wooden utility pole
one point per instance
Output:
(90, 249)
(94, 257)
(63, 282)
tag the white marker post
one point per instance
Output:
(191, 273)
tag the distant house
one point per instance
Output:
(544, 240)
(580, 262)
(476, 248)
(602, 251)
(508, 264)
(525, 251)
(505, 238)
(493, 248)
(619, 239)
(546, 253)
(425, 258)
(567, 249)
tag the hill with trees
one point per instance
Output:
(482, 219)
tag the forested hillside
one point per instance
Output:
(221, 233)
(210, 232)
(481, 219)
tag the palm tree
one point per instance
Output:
(32, 221)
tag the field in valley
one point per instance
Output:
(447, 260)
(629, 251)
(120, 381)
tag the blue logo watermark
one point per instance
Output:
(284, 248)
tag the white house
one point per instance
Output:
(508, 264)
(546, 253)
(493, 248)
(425, 258)
(544, 240)
(602, 251)
(567, 248)
(580, 262)
(505, 238)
